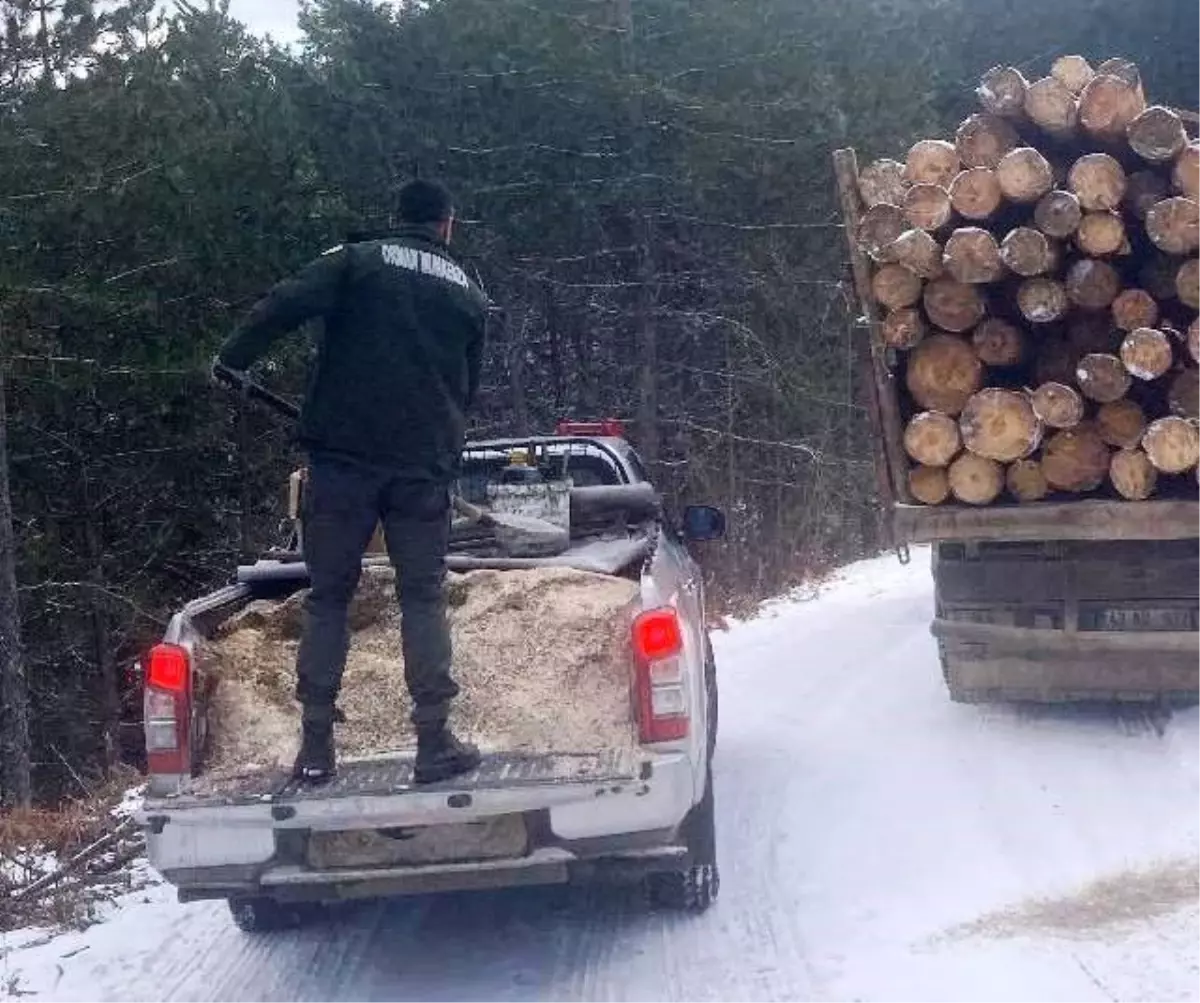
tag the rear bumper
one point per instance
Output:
(986, 662)
(544, 866)
(577, 831)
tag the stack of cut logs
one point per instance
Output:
(1038, 281)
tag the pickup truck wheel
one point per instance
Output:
(691, 890)
(260, 914)
(695, 887)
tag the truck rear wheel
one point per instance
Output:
(957, 694)
(260, 914)
(695, 887)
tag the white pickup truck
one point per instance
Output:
(644, 812)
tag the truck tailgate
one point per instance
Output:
(514, 810)
(387, 777)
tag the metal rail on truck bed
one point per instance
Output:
(1086, 519)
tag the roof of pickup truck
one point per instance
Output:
(506, 441)
(619, 449)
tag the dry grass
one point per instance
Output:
(36, 841)
(69, 826)
(540, 655)
(24, 831)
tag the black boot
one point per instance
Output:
(316, 761)
(441, 756)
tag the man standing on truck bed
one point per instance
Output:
(383, 424)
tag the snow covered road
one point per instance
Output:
(876, 842)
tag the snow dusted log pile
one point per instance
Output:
(1036, 276)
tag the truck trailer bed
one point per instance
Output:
(1082, 519)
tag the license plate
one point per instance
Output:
(1134, 619)
(487, 839)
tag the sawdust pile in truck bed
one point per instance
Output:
(540, 656)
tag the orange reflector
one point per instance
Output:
(656, 634)
(167, 667)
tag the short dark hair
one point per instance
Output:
(424, 202)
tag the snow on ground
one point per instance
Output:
(877, 842)
(130, 802)
(26, 864)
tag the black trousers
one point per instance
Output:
(344, 501)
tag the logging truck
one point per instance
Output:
(1029, 295)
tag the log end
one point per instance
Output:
(1057, 405)
(1024, 175)
(932, 439)
(903, 329)
(1075, 459)
(933, 162)
(1121, 423)
(1025, 481)
(1132, 474)
(929, 485)
(882, 181)
(976, 480)
(1172, 444)
(1102, 378)
(1000, 425)
(1146, 353)
(1073, 72)
(943, 372)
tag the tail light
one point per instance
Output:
(167, 709)
(662, 699)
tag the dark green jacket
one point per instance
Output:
(398, 361)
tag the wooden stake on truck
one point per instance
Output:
(880, 393)
(1035, 419)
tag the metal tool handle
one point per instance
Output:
(472, 513)
(232, 379)
(281, 405)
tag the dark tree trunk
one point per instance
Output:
(15, 782)
(644, 328)
(97, 599)
(516, 374)
(557, 372)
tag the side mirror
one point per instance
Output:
(703, 522)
